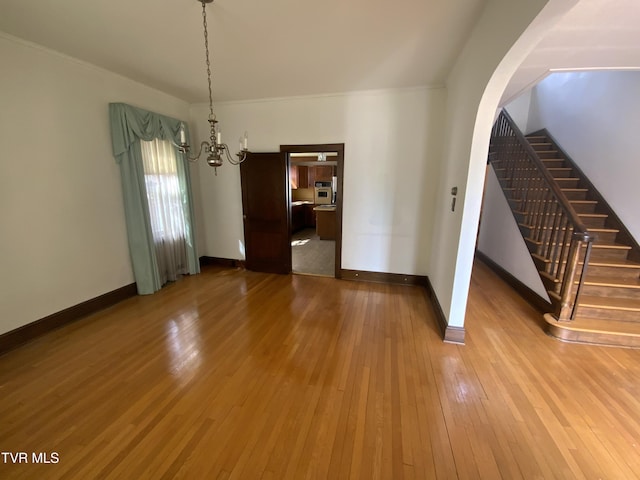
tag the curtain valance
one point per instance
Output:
(129, 124)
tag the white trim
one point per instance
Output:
(382, 91)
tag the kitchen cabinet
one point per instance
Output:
(303, 177)
(323, 173)
(293, 177)
(319, 174)
(297, 217)
(309, 216)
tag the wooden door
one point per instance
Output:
(265, 208)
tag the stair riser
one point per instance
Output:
(584, 207)
(589, 222)
(605, 313)
(594, 222)
(603, 254)
(557, 174)
(541, 146)
(527, 232)
(607, 254)
(568, 183)
(605, 237)
(616, 272)
(610, 292)
(576, 195)
(554, 162)
(549, 155)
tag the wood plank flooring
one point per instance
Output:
(238, 375)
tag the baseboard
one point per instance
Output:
(35, 329)
(449, 334)
(381, 277)
(223, 262)
(529, 295)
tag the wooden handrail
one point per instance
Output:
(578, 226)
(546, 217)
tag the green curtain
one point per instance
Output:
(129, 125)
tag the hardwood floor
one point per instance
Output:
(233, 374)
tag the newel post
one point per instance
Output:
(568, 299)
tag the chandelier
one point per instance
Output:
(214, 147)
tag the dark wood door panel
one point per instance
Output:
(265, 205)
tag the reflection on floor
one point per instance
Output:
(311, 255)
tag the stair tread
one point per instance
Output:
(604, 325)
(613, 263)
(590, 229)
(588, 215)
(594, 215)
(619, 246)
(608, 281)
(611, 303)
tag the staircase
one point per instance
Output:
(586, 258)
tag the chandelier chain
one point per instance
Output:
(206, 48)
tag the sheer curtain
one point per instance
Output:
(166, 210)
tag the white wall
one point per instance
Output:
(595, 117)
(500, 238)
(63, 235)
(391, 142)
(505, 33)
(519, 108)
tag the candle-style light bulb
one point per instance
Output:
(245, 141)
(183, 135)
(219, 138)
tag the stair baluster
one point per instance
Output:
(547, 219)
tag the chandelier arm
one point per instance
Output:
(242, 155)
(195, 159)
(225, 147)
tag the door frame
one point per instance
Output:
(339, 149)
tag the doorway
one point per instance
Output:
(315, 182)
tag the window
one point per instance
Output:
(166, 207)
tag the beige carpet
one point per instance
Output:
(311, 255)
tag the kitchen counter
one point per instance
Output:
(301, 202)
(326, 221)
(325, 208)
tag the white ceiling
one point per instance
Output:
(276, 48)
(259, 48)
(594, 34)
